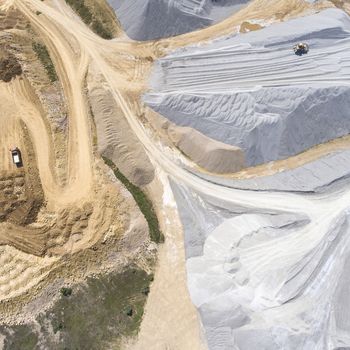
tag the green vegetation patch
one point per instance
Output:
(142, 201)
(44, 57)
(84, 12)
(19, 338)
(94, 316)
(66, 292)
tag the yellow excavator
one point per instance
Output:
(301, 49)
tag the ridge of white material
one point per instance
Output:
(252, 92)
(270, 279)
(154, 19)
(267, 270)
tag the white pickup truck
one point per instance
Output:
(16, 157)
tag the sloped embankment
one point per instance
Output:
(252, 92)
(154, 19)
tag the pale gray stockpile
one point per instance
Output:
(262, 278)
(251, 91)
(315, 176)
(154, 19)
(266, 279)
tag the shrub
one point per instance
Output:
(99, 29)
(88, 18)
(44, 57)
(66, 292)
(145, 290)
(129, 311)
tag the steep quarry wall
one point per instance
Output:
(251, 91)
(154, 19)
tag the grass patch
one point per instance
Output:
(142, 201)
(19, 338)
(102, 310)
(84, 12)
(66, 292)
(96, 316)
(44, 57)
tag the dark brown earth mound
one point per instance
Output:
(9, 68)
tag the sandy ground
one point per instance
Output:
(170, 321)
(170, 283)
(11, 135)
(68, 224)
(262, 10)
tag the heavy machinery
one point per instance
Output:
(301, 49)
(16, 157)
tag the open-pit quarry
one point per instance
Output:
(185, 179)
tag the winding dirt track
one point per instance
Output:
(71, 69)
(170, 321)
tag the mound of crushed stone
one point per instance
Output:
(251, 91)
(154, 19)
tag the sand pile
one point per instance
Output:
(210, 154)
(114, 137)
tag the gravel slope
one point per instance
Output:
(154, 19)
(265, 278)
(252, 92)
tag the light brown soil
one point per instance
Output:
(62, 202)
(248, 27)
(342, 4)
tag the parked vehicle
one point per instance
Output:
(17, 157)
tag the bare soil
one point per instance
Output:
(9, 68)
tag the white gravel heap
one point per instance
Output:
(253, 92)
(154, 19)
(271, 275)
